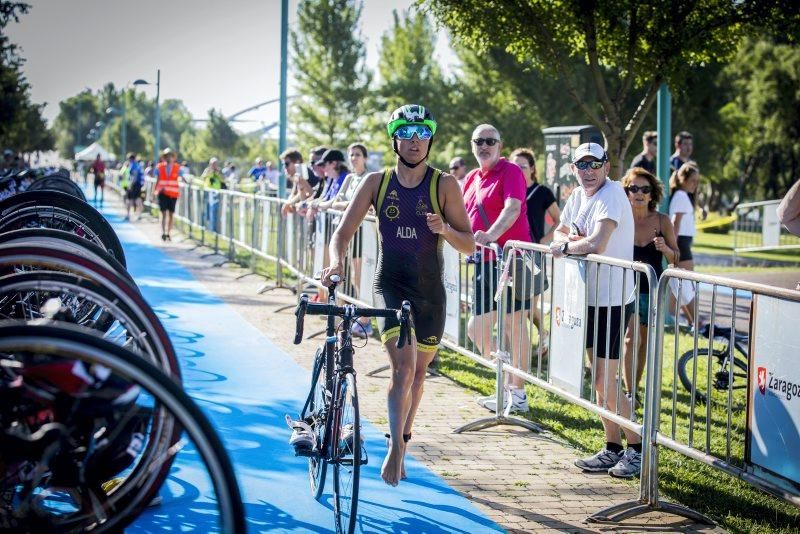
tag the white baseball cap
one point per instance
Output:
(589, 149)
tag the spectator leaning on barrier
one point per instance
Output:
(647, 158)
(600, 216)
(654, 241)
(213, 181)
(458, 168)
(494, 195)
(539, 200)
(258, 171)
(168, 190)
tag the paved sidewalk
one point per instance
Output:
(523, 481)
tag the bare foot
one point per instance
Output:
(393, 465)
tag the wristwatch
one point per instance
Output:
(564, 247)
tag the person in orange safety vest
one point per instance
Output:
(168, 190)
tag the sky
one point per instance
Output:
(212, 53)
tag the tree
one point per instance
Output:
(218, 139)
(626, 49)
(21, 124)
(76, 117)
(331, 78)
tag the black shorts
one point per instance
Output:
(427, 316)
(99, 182)
(603, 328)
(685, 247)
(484, 280)
(166, 203)
(134, 191)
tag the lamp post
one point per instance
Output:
(158, 110)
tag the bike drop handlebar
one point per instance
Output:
(314, 308)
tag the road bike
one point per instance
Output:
(723, 374)
(331, 408)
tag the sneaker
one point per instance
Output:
(519, 401)
(602, 461)
(346, 437)
(302, 437)
(629, 465)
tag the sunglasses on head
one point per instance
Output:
(409, 130)
(490, 141)
(635, 189)
(594, 164)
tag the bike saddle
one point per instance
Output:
(723, 331)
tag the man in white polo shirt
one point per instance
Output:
(597, 219)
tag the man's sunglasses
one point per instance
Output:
(409, 130)
(490, 141)
(635, 189)
(594, 164)
(287, 162)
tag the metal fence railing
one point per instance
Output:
(757, 228)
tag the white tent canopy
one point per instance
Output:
(91, 152)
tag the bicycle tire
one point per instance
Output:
(60, 260)
(60, 238)
(57, 182)
(347, 455)
(318, 413)
(53, 209)
(73, 343)
(685, 373)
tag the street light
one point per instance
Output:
(158, 109)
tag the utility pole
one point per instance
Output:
(282, 119)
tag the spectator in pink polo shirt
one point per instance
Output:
(494, 195)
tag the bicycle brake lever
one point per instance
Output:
(300, 313)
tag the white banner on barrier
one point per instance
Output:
(566, 336)
(319, 243)
(774, 411)
(451, 279)
(369, 260)
(771, 227)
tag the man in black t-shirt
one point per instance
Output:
(647, 159)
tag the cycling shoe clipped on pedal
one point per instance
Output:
(302, 438)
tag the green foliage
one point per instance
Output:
(218, 140)
(624, 49)
(22, 127)
(332, 81)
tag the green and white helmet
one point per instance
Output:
(410, 114)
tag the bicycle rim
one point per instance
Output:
(317, 413)
(347, 455)
(719, 394)
(110, 513)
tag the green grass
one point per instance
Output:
(735, 505)
(722, 244)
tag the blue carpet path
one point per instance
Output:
(246, 385)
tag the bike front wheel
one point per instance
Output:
(317, 413)
(721, 378)
(347, 454)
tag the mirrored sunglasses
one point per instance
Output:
(594, 164)
(490, 141)
(635, 189)
(407, 132)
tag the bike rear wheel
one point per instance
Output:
(347, 454)
(720, 377)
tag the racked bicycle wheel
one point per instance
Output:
(57, 182)
(82, 467)
(347, 455)
(60, 211)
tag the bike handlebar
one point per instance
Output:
(300, 313)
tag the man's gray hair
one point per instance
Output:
(485, 127)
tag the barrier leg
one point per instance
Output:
(626, 510)
(501, 416)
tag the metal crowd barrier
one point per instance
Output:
(747, 423)
(296, 244)
(757, 228)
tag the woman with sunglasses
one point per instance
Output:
(654, 241)
(418, 208)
